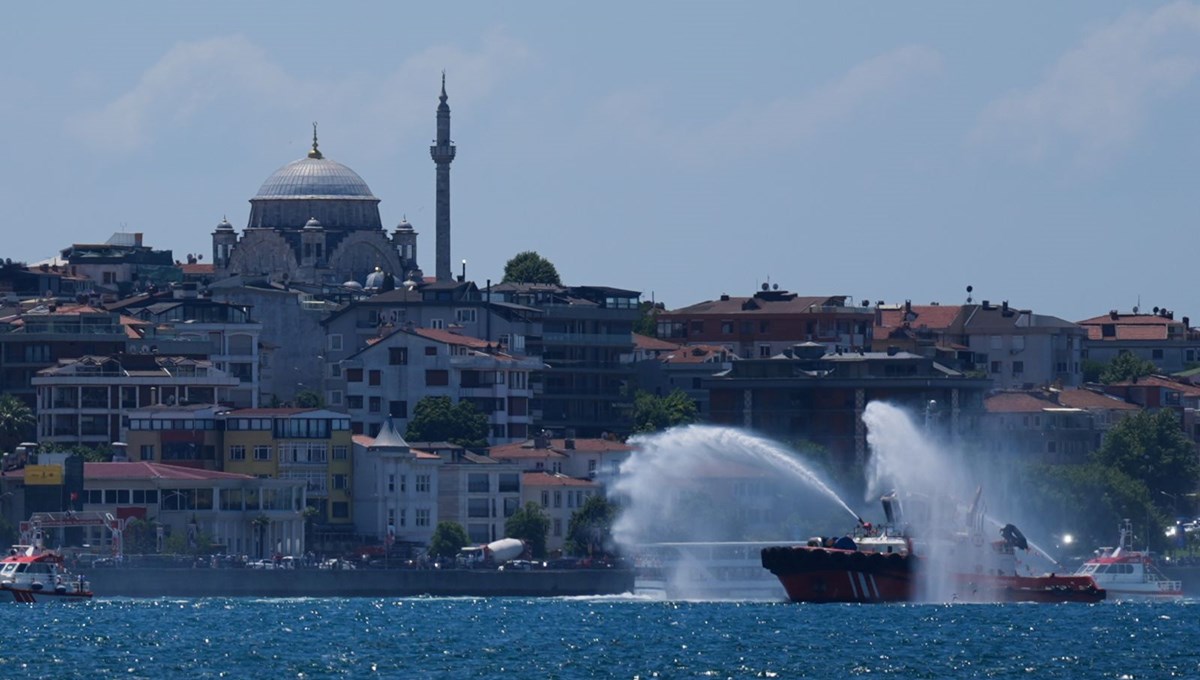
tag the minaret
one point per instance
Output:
(442, 153)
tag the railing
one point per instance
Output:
(588, 339)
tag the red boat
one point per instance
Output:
(884, 565)
(31, 573)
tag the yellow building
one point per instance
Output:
(309, 444)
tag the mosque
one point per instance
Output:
(315, 221)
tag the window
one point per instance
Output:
(545, 499)
(437, 378)
(422, 484)
(764, 351)
(354, 401)
(335, 343)
(558, 527)
(237, 452)
(341, 482)
(147, 452)
(558, 499)
(391, 483)
(437, 324)
(478, 483)
(376, 404)
(431, 351)
(1018, 368)
(335, 370)
(262, 452)
(996, 367)
(403, 483)
(510, 482)
(726, 327)
(464, 315)
(422, 517)
(398, 356)
(335, 397)
(1108, 330)
(354, 375)
(403, 517)
(341, 452)
(478, 507)
(375, 378)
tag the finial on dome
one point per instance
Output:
(315, 153)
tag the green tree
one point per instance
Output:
(16, 421)
(647, 321)
(1090, 501)
(1126, 367)
(448, 539)
(590, 529)
(139, 537)
(653, 414)
(1151, 448)
(308, 398)
(1092, 370)
(530, 524)
(437, 419)
(529, 267)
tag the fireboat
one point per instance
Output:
(887, 564)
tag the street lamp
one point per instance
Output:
(1174, 502)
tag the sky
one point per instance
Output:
(1042, 153)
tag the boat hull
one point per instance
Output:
(822, 575)
(30, 596)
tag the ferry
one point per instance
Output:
(31, 573)
(1128, 573)
(716, 570)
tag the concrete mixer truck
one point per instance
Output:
(491, 555)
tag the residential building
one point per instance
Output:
(593, 458)
(477, 492)
(1170, 345)
(1047, 426)
(770, 321)
(40, 337)
(120, 266)
(225, 333)
(312, 445)
(584, 390)
(560, 497)
(685, 369)
(390, 376)
(189, 435)
(807, 394)
(85, 400)
(395, 491)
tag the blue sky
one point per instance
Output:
(1044, 154)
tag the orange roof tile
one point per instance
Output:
(645, 342)
(1016, 402)
(1087, 399)
(936, 317)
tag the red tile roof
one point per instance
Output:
(1087, 399)
(1016, 402)
(1167, 383)
(148, 470)
(548, 479)
(526, 448)
(647, 343)
(771, 302)
(1131, 327)
(1037, 401)
(197, 269)
(451, 338)
(696, 354)
(935, 317)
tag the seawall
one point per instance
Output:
(166, 582)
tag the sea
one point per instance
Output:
(594, 637)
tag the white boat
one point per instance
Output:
(1128, 573)
(728, 570)
(30, 573)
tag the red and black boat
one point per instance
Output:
(31, 573)
(886, 564)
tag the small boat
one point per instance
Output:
(883, 564)
(31, 573)
(1128, 573)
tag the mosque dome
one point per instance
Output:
(224, 225)
(312, 224)
(375, 279)
(314, 187)
(312, 177)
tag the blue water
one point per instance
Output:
(593, 638)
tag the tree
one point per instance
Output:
(16, 421)
(308, 398)
(1151, 448)
(1126, 367)
(530, 524)
(647, 321)
(590, 529)
(448, 539)
(529, 267)
(653, 414)
(436, 419)
(1089, 501)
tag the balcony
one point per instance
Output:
(594, 339)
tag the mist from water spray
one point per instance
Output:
(702, 483)
(905, 458)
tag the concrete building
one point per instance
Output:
(389, 377)
(85, 400)
(478, 492)
(1170, 345)
(221, 332)
(1047, 426)
(586, 331)
(808, 394)
(188, 436)
(120, 266)
(560, 497)
(684, 368)
(769, 321)
(311, 445)
(594, 458)
(395, 491)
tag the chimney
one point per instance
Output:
(987, 304)
(724, 297)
